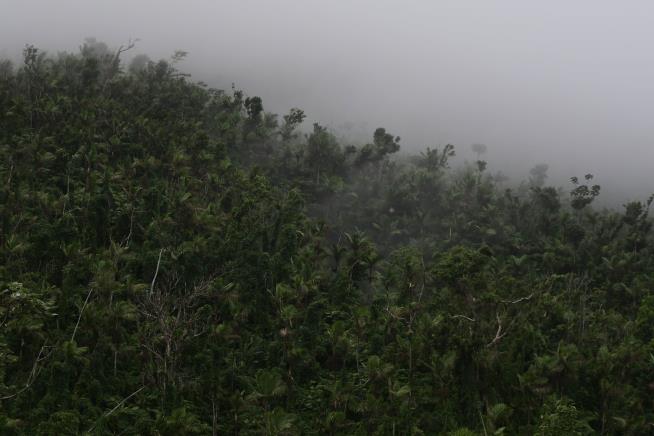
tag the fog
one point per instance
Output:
(565, 83)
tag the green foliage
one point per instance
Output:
(561, 417)
(174, 261)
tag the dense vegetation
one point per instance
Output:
(175, 260)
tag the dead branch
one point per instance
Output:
(115, 408)
(464, 317)
(122, 49)
(32, 377)
(519, 300)
(156, 272)
(127, 238)
(499, 334)
(80, 314)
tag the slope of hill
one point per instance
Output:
(175, 260)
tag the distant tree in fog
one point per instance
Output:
(138, 63)
(479, 149)
(499, 177)
(538, 175)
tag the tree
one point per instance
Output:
(324, 154)
(139, 63)
(582, 195)
(292, 120)
(538, 175)
(479, 149)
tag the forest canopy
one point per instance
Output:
(176, 260)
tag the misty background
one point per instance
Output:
(565, 83)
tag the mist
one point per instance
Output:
(560, 83)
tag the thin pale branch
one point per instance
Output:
(116, 408)
(519, 300)
(499, 334)
(80, 314)
(464, 317)
(156, 272)
(33, 374)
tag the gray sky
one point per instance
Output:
(569, 83)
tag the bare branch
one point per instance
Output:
(123, 48)
(127, 238)
(80, 314)
(33, 374)
(464, 317)
(156, 273)
(499, 334)
(115, 408)
(519, 300)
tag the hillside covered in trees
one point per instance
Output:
(174, 260)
